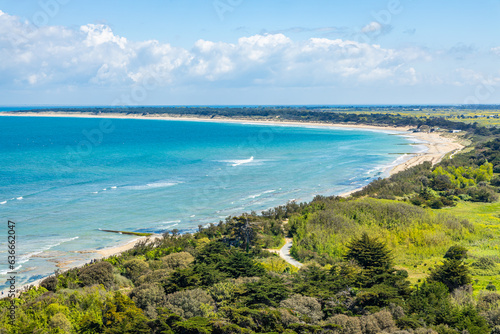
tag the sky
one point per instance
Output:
(249, 52)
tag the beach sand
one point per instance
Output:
(117, 250)
(437, 147)
(437, 144)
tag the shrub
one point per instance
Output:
(121, 281)
(135, 268)
(149, 295)
(488, 301)
(348, 325)
(50, 283)
(97, 273)
(157, 276)
(417, 200)
(60, 322)
(441, 182)
(436, 204)
(495, 181)
(482, 194)
(195, 325)
(463, 295)
(307, 307)
(484, 263)
(224, 292)
(177, 260)
(190, 303)
(492, 317)
(287, 318)
(495, 330)
(378, 322)
(268, 291)
(369, 324)
(239, 264)
(456, 253)
(464, 197)
(424, 331)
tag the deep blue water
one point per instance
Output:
(63, 179)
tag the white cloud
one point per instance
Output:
(98, 34)
(372, 27)
(496, 50)
(469, 77)
(95, 55)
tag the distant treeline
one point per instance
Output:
(300, 114)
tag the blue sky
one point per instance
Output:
(166, 52)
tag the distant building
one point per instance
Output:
(455, 131)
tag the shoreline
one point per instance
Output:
(171, 117)
(437, 146)
(100, 254)
(436, 143)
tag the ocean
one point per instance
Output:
(63, 180)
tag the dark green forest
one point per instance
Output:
(399, 256)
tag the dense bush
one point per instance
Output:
(50, 283)
(190, 303)
(370, 324)
(135, 268)
(482, 194)
(149, 296)
(306, 308)
(177, 260)
(97, 273)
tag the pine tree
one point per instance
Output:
(369, 253)
(453, 272)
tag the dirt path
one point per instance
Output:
(285, 254)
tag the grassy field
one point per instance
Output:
(484, 242)
(488, 117)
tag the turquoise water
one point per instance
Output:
(63, 179)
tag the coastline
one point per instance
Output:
(436, 143)
(100, 254)
(437, 146)
(171, 117)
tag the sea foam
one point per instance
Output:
(154, 185)
(239, 162)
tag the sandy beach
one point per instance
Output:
(437, 146)
(111, 251)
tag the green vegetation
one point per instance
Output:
(416, 253)
(469, 176)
